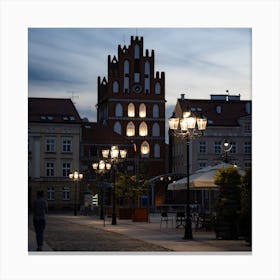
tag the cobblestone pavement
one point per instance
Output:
(64, 235)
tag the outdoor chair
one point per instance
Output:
(180, 219)
(165, 218)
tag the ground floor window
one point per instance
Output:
(66, 193)
(51, 193)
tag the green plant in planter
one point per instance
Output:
(246, 206)
(129, 189)
(228, 203)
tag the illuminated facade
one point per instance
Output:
(131, 100)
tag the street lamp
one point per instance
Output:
(76, 177)
(101, 168)
(187, 128)
(226, 146)
(114, 156)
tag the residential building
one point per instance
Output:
(228, 118)
(54, 134)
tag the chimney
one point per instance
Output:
(182, 96)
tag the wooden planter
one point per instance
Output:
(140, 215)
(125, 213)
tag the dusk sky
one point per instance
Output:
(65, 62)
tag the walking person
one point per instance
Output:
(40, 208)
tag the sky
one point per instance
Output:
(65, 62)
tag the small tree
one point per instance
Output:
(228, 202)
(129, 188)
(246, 206)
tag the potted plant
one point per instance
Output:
(228, 203)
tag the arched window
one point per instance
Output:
(119, 110)
(155, 130)
(115, 87)
(143, 129)
(136, 52)
(157, 151)
(142, 110)
(155, 111)
(126, 76)
(130, 129)
(157, 88)
(131, 110)
(147, 77)
(145, 149)
(126, 67)
(118, 128)
(147, 68)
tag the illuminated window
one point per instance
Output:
(130, 129)
(131, 110)
(142, 110)
(143, 129)
(145, 149)
(119, 110)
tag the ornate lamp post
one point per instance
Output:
(76, 177)
(114, 156)
(187, 128)
(101, 168)
(226, 147)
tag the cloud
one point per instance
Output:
(196, 61)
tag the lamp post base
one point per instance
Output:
(188, 230)
(114, 219)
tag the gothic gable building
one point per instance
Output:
(131, 100)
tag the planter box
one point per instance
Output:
(140, 215)
(225, 230)
(125, 213)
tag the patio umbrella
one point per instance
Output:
(203, 178)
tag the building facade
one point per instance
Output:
(131, 100)
(228, 118)
(54, 135)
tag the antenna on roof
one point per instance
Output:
(73, 96)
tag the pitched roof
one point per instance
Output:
(55, 110)
(218, 112)
(97, 133)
